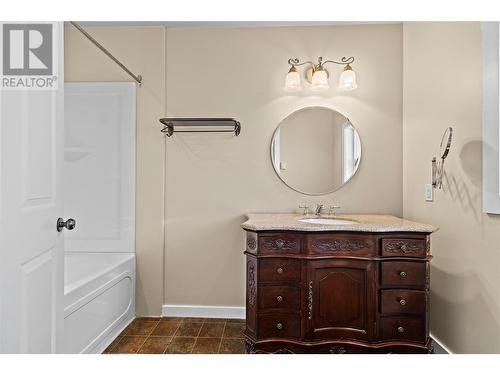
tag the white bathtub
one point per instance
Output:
(99, 302)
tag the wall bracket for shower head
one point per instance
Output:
(438, 165)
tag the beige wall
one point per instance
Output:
(212, 180)
(142, 50)
(442, 87)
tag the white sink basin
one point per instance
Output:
(326, 221)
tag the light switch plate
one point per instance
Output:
(429, 193)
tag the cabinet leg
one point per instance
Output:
(431, 347)
(249, 348)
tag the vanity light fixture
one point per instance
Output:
(318, 76)
(292, 81)
(347, 80)
(319, 80)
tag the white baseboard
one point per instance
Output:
(440, 344)
(228, 312)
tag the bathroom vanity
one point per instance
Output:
(352, 284)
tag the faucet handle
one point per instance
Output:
(305, 207)
(319, 207)
(332, 209)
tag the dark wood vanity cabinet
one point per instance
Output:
(337, 292)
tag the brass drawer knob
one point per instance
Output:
(279, 270)
(279, 298)
(401, 329)
(279, 326)
(402, 274)
(402, 302)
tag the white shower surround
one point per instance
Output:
(99, 192)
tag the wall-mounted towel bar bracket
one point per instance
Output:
(200, 125)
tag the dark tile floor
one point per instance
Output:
(180, 336)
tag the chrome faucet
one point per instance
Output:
(319, 207)
(305, 209)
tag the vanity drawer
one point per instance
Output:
(279, 297)
(279, 269)
(279, 325)
(401, 247)
(341, 245)
(402, 301)
(404, 273)
(402, 328)
(279, 243)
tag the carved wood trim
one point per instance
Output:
(341, 245)
(399, 247)
(283, 351)
(251, 243)
(280, 244)
(337, 349)
(310, 300)
(252, 283)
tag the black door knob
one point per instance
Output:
(69, 224)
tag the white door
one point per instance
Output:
(31, 249)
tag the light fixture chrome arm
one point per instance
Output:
(343, 61)
(296, 62)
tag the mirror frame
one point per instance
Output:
(446, 151)
(303, 192)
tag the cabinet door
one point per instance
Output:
(341, 299)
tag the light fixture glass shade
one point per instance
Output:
(292, 81)
(319, 80)
(347, 80)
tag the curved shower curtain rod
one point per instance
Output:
(137, 78)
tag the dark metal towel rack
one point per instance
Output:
(200, 125)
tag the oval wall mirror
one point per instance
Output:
(315, 150)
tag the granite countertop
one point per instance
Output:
(361, 223)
